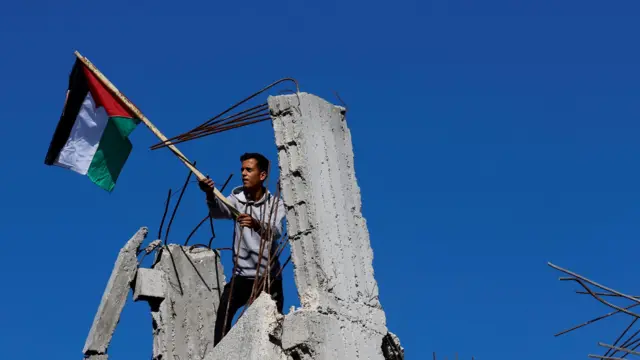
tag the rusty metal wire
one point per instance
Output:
(277, 254)
(574, 275)
(619, 349)
(188, 136)
(164, 215)
(626, 346)
(583, 284)
(622, 335)
(186, 242)
(175, 209)
(603, 357)
(602, 294)
(594, 320)
(218, 124)
(175, 269)
(266, 236)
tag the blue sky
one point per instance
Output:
(490, 137)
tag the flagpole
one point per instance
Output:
(152, 127)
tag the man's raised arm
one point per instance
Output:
(217, 208)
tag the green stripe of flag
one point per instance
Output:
(113, 150)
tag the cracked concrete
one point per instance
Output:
(114, 297)
(183, 322)
(254, 336)
(341, 315)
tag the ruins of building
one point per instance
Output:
(340, 316)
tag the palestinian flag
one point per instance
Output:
(92, 135)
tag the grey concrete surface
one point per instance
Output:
(341, 315)
(254, 336)
(115, 296)
(183, 323)
(150, 285)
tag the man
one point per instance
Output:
(255, 203)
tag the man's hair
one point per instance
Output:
(263, 162)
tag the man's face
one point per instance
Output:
(252, 177)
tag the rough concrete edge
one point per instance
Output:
(97, 357)
(259, 309)
(94, 345)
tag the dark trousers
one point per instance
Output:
(239, 297)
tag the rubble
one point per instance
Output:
(183, 322)
(254, 336)
(114, 298)
(340, 317)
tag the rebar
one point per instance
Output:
(216, 119)
(175, 209)
(582, 283)
(593, 320)
(164, 215)
(602, 294)
(603, 357)
(619, 349)
(622, 335)
(594, 284)
(175, 269)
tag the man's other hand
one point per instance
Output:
(245, 220)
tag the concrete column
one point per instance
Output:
(341, 316)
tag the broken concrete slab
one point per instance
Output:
(254, 336)
(183, 323)
(150, 285)
(115, 296)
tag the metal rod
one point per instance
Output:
(579, 281)
(603, 357)
(621, 336)
(196, 229)
(594, 320)
(276, 203)
(213, 131)
(175, 209)
(207, 128)
(175, 269)
(594, 284)
(615, 343)
(166, 209)
(619, 349)
(629, 342)
(601, 294)
(265, 237)
(278, 252)
(213, 232)
(635, 347)
(249, 98)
